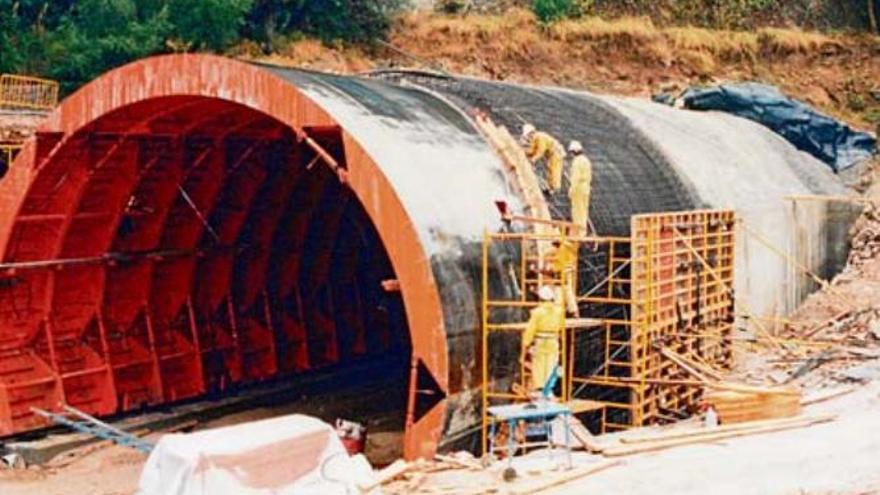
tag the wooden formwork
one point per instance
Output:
(682, 272)
(675, 294)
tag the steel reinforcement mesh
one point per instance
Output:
(630, 175)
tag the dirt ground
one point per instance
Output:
(839, 457)
(111, 471)
(115, 470)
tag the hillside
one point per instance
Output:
(629, 55)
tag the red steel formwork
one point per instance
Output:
(124, 282)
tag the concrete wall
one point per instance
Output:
(734, 163)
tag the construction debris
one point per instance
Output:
(866, 242)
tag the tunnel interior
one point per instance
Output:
(183, 246)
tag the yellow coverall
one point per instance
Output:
(543, 145)
(579, 191)
(563, 260)
(546, 322)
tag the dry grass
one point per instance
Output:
(517, 37)
(471, 27)
(628, 29)
(789, 41)
(725, 44)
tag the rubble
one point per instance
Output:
(17, 126)
(866, 241)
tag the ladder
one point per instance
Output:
(84, 423)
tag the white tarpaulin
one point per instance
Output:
(287, 455)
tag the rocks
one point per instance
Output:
(866, 241)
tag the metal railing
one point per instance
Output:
(27, 92)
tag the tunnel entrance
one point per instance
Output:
(183, 246)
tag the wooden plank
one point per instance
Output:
(583, 436)
(393, 470)
(467, 464)
(740, 387)
(807, 401)
(690, 433)
(667, 444)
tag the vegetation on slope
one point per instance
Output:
(75, 40)
(634, 55)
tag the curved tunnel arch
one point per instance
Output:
(167, 159)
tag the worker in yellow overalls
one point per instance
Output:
(542, 145)
(581, 176)
(560, 262)
(541, 338)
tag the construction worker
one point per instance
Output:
(542, 145)
(541, 337)
(560, 262)
(581, 176)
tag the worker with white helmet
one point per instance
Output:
(541, 337)
(540, 145)
(581, 176)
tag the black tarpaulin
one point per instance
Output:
(824, 137)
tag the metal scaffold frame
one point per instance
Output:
(663, 290)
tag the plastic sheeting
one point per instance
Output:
(293, 454)
(825, 138)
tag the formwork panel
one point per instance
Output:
(666, 289)
(682, 272)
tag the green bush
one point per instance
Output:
(554, 10)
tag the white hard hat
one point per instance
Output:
(527, 129)
(575, 147)
(546, 293)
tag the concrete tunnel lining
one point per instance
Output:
(412, 224)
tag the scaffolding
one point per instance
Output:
(25, 92)
(665, 289)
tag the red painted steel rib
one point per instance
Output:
(250, 276)
(113, 103)
(304, 348)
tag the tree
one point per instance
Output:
(330, 20)
(97, 35)
(873, 7)
(208, 24)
